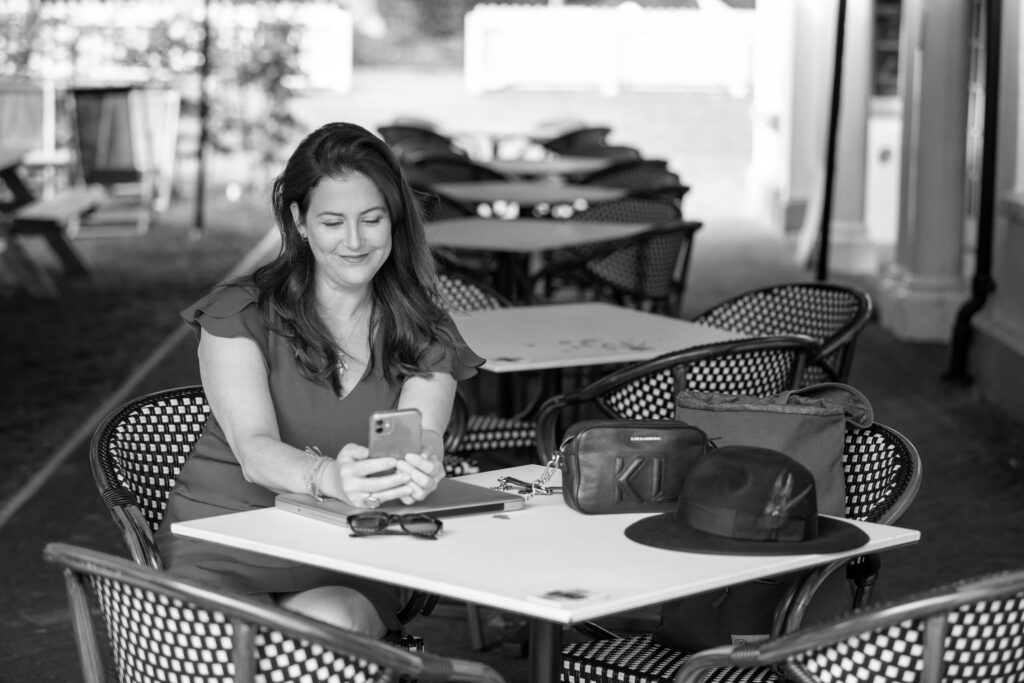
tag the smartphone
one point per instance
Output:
(394, 433)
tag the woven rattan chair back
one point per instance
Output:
(449, 169)
(971, 631)
(436, 206)
(577, 141)
(159, 627)
(630, 210)
(835, 314)
(411, 141)
(638, 174)
(756, 367)
(462, 293)
(137, 452)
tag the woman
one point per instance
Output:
(345, 321)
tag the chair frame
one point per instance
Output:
(841, 342)
(246, 616)
(931, 608)
(803, 347)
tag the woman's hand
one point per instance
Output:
(424, 469)
(349, 478)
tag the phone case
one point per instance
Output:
(395, 433)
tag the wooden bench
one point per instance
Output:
(56, 218)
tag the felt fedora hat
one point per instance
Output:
(746, 500)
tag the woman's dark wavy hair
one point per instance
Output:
(407, 315)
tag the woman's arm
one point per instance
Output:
(234, 377)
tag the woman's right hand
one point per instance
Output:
(349, 478)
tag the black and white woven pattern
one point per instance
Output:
(156, 638)
(463, 294)
(823, 311)
(491, 432)
(638, 660)
(755, 373)
(984, 641)
(633, 175)
(642, 266)
(145, 448)
(877, 468)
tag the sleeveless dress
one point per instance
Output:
(308, 414)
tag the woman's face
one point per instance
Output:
(348, 228)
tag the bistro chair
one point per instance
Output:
(589, 141)
(882, 473)
(157, 627)
(651, 175)
(412, 140)
(968, 631)
(137, 452)
(758, 366)
(646, 271)
(832, 313)
(483, 432)
(438, 168)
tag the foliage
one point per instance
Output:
(251, 65)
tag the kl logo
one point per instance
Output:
(640, 480)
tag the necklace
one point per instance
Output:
(342, 366)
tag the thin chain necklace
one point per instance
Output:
(342, 366)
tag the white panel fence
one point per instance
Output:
(608, 49)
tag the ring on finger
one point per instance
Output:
(371, 501)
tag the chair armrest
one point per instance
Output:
(137, 534)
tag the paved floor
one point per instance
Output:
(969, 508)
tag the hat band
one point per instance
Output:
(732, 523)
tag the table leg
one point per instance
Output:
(545, 651)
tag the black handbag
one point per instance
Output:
(611, 466)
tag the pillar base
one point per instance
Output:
(852, 252)
(916, 308)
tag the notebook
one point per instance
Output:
(450, 498)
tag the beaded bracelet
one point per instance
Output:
(314, 471)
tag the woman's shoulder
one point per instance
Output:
(226, 299)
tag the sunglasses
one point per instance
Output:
(371, 523)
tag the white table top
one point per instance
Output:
(513, 561)
(524, 235)
(527, 192)
(522, 338)
(548, 166)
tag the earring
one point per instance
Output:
(304, 238)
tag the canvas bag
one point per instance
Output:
(809, 425)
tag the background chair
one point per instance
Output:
(969, 631)
(757, 367)
(646, 271)
(137, 452)
(410, 140)
(832, 313)
(159, 627)
(436, 168)
(651, 176)
(590, 141)
(484, 433)
(882, 473)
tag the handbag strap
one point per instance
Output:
(539, 486)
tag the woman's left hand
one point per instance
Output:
(423, 469)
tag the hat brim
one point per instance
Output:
(664, 531)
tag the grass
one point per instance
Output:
(61, 358)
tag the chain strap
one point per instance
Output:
(529, 489)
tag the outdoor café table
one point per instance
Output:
(548, 166)
(569, 335)
(527, 194)
(513, 240)
(546, 562)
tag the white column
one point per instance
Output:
(851, 250)
(920, 294)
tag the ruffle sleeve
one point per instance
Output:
(460, 361)
(228, 311)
